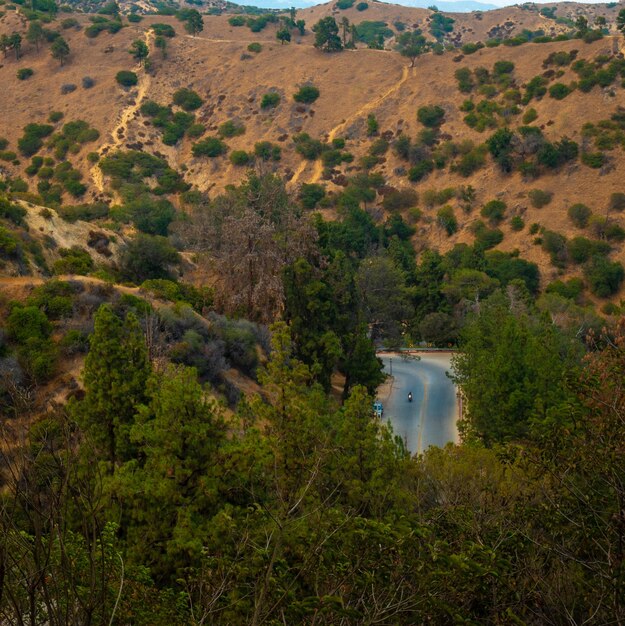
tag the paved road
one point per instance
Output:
(430, 419)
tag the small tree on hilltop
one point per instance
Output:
(161, 43)
(327, 35)
(283, 36)
(411, 45)
(193, 21)
(581, 23)
(620, 21)
(15, 41)
(35, 34)
(59, 50)
(139, 50)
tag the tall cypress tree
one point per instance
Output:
(116, 371)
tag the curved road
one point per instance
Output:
(430, 419)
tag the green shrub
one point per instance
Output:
(163, 30)
(494, 211)
(134, 18)
(83, 212)
(269, 100)
(151, 216)
(307, 94)
(580, 249)
(555, 245)
(593, 159)
(236, 20)
(502, 68)
(73, 260)
(517, 223)
(267, 151)
(308, 147)
(362, 6)
(471, 161)
(446, 219)
(210, 147)
(240, 157)
(311, 194)
(255, 47)
(399, 200)
(572, 289)
(529, 116)
(230, 129)
(471, 47)
(559, 91)
(24, 73)
(28, 322)
(540, 198)
(195, 130)
(126, 78)
(188, 99)
(12, 212)
(465, 79)
(603, 276)
(606, 229)
(486, 238)
(147, 257)
(32, 139)
(617, 201)
(420, 170)
(431, 116)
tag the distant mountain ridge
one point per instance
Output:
(449, 6)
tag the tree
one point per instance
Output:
(5, 44)
(139, 50)
(15, 42)
(438, 328)
(345, 28)
(193, 21)
(148, 257)
(35, 34)
(411, 45)
(283, 36)
(327, 35)
(511, 369)
(301, 27)
(383, 299)
(115, 376)
(581, 23)
(620, 21)
(59, 49)
(250, 234)
(178, 432)
(161, 43)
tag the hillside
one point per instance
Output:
(353, 85)
(213, 222)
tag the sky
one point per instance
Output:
(503, 3)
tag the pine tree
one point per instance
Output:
(115, 375)
(60, 49)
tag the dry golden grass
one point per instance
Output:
(353, 84)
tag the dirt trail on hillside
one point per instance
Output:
(34, 281)
(300, 170)
(124, 119)
(364, 110)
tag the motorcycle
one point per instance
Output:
(410, 396)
